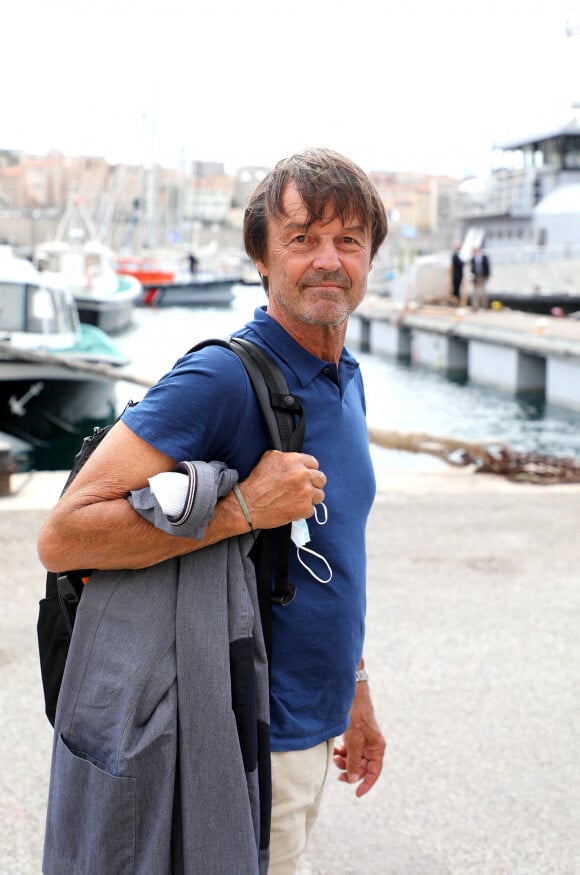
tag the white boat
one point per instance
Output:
(57, 375)
(526, 216)
(104, 297)
(77, 258)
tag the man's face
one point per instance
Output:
(317, 274)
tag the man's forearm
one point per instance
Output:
(111, 535)
(94, 526)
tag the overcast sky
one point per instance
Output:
(412, 85)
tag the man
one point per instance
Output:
(480, 272)
(456, 273)
(312, 227)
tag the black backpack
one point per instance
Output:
(286, 424)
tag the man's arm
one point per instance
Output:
(94, 526)
(359, 755)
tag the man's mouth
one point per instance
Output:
(326, 281)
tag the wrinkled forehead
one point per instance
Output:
(324, 207)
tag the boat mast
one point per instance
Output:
(151, 219)
(75, 218)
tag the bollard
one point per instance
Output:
(6, 468)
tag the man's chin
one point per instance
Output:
(327, 317)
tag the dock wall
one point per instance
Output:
(513, 352)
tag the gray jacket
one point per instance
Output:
(161, 758)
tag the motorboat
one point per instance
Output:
(57, 374)
(147, 270)
(76, 257)
(167, 283)
(104, 297)
(202, 289)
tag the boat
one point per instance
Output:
(57, 375)
(147, 270)
(525, 215)
(105, 298)
(166, 283)
(204, 289)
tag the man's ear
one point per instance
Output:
(261, 268)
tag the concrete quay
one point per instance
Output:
(473, 605)
(511, 351)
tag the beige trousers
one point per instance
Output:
(479, 296)
(297, 781)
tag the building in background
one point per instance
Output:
(135, 208)
(422, 213)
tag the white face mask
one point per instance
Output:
(300, 535)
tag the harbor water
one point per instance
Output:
(400, 397)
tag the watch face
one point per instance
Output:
(362, 675)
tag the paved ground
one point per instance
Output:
(473, 622)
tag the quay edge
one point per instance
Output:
(508, 350)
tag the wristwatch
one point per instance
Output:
(362, 675)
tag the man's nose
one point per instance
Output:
(326, 256)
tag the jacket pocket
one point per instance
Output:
(90, 828)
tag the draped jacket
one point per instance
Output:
(160, 760)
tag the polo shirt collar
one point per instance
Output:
(305, 366)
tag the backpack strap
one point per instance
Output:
(280, 408)
(289, 434)
(286, 424)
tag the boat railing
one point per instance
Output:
(505, 192)
(534, 253)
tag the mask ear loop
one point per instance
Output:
(309, 570)
(321, 522)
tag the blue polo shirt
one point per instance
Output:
(205, 409)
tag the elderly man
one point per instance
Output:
(312, 227)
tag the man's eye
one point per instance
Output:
(300, 238)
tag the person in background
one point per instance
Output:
(193, 263)
(456, 273)
(312, 228)
(480, 273)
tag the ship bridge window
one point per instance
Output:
(572, 159)
(12, 307)
(41, 310)
(553, 152)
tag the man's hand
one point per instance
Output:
(283, 487)
(360, 754)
